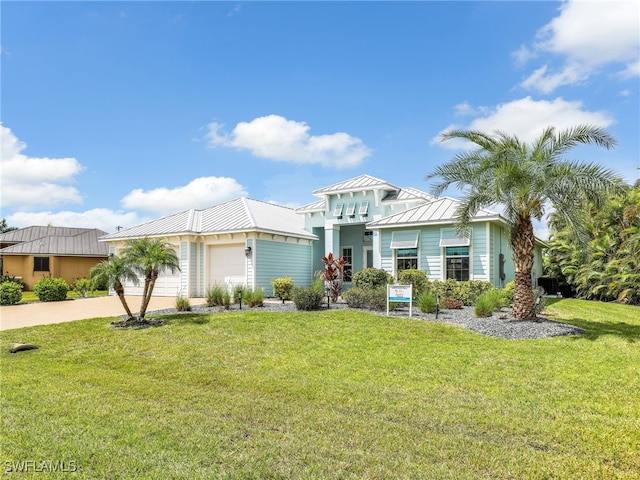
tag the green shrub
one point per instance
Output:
(371, 278)
(236, 293)
(182, 304)
(282, 287)
(215, 296)
(427, 302)
(452, 303)
(489, 302)
(356, 297)
(466, 292)
(10, 293)
(226, 300)
(51, 289)
(508, 292)
(11, 278)
(371, 298)
(417, 278)
(308, 298)
(82, 287)
(253, 298)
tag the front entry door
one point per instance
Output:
(367, 257)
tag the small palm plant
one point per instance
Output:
(114, 272)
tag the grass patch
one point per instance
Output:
(337, 394)
(30, 297)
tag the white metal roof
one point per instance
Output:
(363, 182)
(442, 210)
(239, 215)
(409, 193)
(317, 206)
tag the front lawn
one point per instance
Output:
(30, 296)
(339, 394)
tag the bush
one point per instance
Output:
(253, 298)
(466, 292)
(226, 301)
(371, 298)
(11, 278)
(82, 287)
(371, 278)
(417, 278)
(308, 298)
(282, 287)
(489, 302)
(182, 304)
(508, 292)
(215, 296)
(51, 289)
(427, 302)
(452, 303)
(356, 297)
(10, 293)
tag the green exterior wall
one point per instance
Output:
(282, 259)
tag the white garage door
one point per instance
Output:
(227, 265)
(167, 285)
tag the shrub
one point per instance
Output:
(10, 293)
(236, 293)
(371, 278)
(427, 302)
(282, 287)
(51, 289)
(215, 296)
(417, 278)
(182, 304)
(226, 300)
(371, 298)
(82, 287)
(489, 302)
(308, 298)
(11, 278)
(253, 298)
(466, 292)
(508, 292)
(356, 297)
(452, 303)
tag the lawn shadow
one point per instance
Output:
(182, 318)
(597, 329)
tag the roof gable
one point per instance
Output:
(57, 241)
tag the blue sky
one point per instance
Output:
(115, 113)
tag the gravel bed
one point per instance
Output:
(500, 325)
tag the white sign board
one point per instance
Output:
(400, 293)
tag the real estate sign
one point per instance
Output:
(400, 293)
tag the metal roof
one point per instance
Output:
(317, 206)
(239, 215)
(59, 241)
(409, 193)
(363, 182)
(440, 211)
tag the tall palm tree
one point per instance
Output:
(114, 271)
(149, 257)
(524, 179)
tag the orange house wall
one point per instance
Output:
(68, 268)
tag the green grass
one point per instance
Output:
(339, 394)
(30, 297)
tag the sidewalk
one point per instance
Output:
(44, 313)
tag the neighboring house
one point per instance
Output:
(33, 253)
(368, 221)
(241, 242)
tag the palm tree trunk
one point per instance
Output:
(522, 244)
(147, 294)
(120, 292)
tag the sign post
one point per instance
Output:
(400, 293)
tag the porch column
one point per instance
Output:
(332, 240)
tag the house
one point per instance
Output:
(368, 221)
(242, 242)
(33, 253)
(372, 223)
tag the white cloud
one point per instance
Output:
(588, 35)
(527, 118)
(523, 55)
(276, 138)
(102, 218)
(28, 181)
(202, 192)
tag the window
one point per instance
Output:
(364, 208)
(368, 235)
(457, 260)
(337, 212)
(450, 237)
(347, 254)
(404, 240)
(351, 210)
(406, 258)
(40, 264)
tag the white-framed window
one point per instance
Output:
(406, 258)
(347, 272)
(337, 211)
(351, 210)
(457, 263)
(364, 208)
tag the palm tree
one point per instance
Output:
(149, 257)
(113, 272)
(525, 179)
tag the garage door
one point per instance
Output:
(227, 265)
(167, 285)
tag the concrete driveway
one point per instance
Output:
(43, 313)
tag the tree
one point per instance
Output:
(525, 179)
(114, 271)
(149, 257)
(4, 227)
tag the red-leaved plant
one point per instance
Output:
(332, 275)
